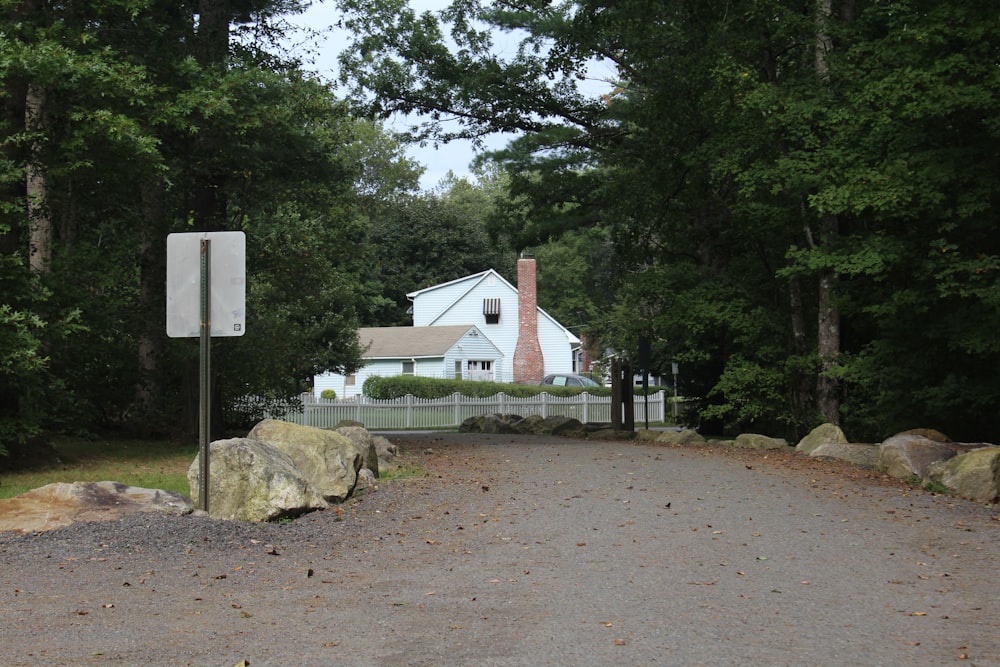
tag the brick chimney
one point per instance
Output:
(529, 365)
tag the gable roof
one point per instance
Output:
(410, 342)
(474, 280)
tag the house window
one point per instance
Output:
(350, 380)
(491, 310)
(409, 368)
(480, 370)
(458, 370)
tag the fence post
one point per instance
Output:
(586, 406)
(545, 404)
(458, 408)
(409, 411)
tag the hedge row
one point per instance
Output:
(395, 387)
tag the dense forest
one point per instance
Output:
(799, 196)
(795, 200)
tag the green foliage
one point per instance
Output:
(756, 169)
(421, 387)
(328, 395)
(430, 239)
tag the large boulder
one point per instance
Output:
(974, 475)
(387, 453)
(495, 424)
(685, 437)
(568, 427)
(530, 425)
(824, 434)
(327, 460)
(911, 454)
(757, 441)
(363, 440)
(60, 504)
(250, 480)
(861, 454)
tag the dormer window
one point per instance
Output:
(491, 311)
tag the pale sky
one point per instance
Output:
(455, 156)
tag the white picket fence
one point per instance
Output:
(415, 413)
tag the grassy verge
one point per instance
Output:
(153, 464)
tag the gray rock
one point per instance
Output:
(387, 453)
(564, 426)
(494, 424)
(61, 504)
(974, 475)
(363, 440)
(865, 455)
(385, 448)
(910, 455)
(757, 441)
(530, 425)
(327, 460)
(253, 481)
(685, 437)
(366, 483)
(824, 434)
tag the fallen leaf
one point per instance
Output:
(918, 613)
(330, 644)
(619, 642)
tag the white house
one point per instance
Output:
(532, 341)
(495, 331)
(449, 351)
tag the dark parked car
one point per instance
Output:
(569, 380)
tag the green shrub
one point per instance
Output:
(328, 394)
(384, 388)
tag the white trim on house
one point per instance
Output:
(433, 352)
(462, 300)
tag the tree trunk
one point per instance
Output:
(828, 347)
(828, 323)
(152, 288)
(39, 224)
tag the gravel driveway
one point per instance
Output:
(519, 550)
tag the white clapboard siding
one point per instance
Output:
(461, 302)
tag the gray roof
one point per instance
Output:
(408, 342)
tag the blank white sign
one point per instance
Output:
(227, 269)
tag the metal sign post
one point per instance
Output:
(204, 371)
(205, 300)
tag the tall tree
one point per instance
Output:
(745, 154)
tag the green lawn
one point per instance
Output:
(154, 464)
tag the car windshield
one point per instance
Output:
(587, 382)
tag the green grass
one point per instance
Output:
(402, 471)
(153, 464)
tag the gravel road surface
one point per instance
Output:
(524, 551)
